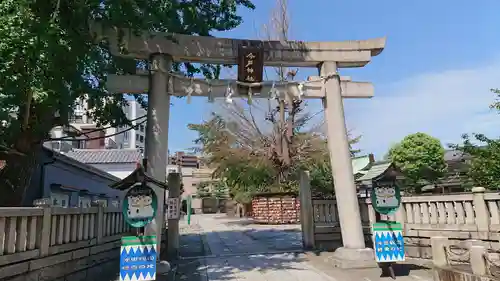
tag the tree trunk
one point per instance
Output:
(22, 161)
(15, 177)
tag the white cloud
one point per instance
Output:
(444, 105)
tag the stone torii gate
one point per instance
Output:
(162, 50)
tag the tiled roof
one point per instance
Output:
(105, 156)
(375, 171)
(359, 163)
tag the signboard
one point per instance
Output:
(388, 242)
(139, 205)
(138, 258)
(250, 66)
(173, 211)
(386, 199)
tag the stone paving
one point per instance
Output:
(216, 248)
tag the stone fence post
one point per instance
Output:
(372, 215)
(439, 256)
(482, 214)
(99, 227)
(400, 216)
(44, 228)
(478, 260)
(306, 210)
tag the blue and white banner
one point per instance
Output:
(388, 242)
(138, 258)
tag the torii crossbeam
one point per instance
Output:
(139, 84)
(202, 49)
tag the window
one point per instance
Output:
(78, 144)
(59, 199)
(76, 119)
(136, 136)
(102, 140)
(84, 202)
(141, 128)
(193, 184)
(141, 138)
(78, 107)
(115, 203)
(125, 135)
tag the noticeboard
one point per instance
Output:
(386, 199)
(173, 210)
(139, 206)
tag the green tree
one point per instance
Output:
(321, 179)
(50, 58)
(484, 153)
(243, 160)
(219, 189)
(496, 103)
(203, 189)
(420, 158)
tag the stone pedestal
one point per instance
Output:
(353, 258)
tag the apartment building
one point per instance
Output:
(87, 130)
(134, 137)
(183, 159)
(192, 170)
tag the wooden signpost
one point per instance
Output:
(139, 254)
(388, 242)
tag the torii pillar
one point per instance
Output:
(329, 56)
(354, 252)
(156, 149)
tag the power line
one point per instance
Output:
(100, 129)
(106, 136)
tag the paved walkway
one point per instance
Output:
(215, 248)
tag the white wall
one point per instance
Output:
(118, 170)
(123, 170)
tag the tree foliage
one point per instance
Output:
(420, 158)
(213, 188)
(50, 58)
(220, 189)
(484, 154)
(241, 153)
(496, 104)
(203, 189)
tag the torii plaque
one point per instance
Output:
(326, 56)
(250, 67)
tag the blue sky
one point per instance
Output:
(434, 76)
